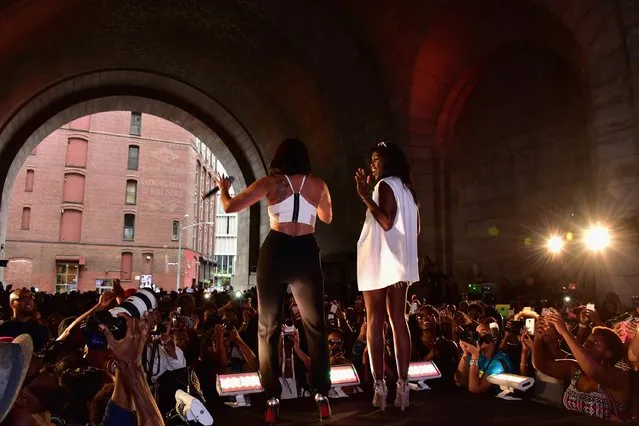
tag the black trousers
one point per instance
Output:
(285, 260)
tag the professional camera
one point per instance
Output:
(288, 329)
(471, 336)
(135, 306)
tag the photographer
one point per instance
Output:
(130, 385)
(481, 358)
(162, 352)
(233, 352)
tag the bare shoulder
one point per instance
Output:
(316, 181)
(278, 188)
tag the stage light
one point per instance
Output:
(420, 372)
(341, 376)
(237, 386)
(597, 238)
(509, 383)
(191, 410)
(555, 244)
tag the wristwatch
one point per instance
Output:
(474, 362)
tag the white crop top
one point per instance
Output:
(294, 208)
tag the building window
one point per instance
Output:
(73, 189)
(71, 225)
(129, 226)
(131, 191)
(66, 277)
(224, 264)
(28, 184)
(77, 152)
(103, 285)
(136, 124)
(26, 217)
(134, 154)
(126, 266)
(175, 234)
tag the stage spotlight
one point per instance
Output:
(555, 244)
(597, 238)
(341, 376)
(509, 383)
(419, 372)
(238, 386)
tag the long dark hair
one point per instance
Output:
(395, 164)
(291, 158)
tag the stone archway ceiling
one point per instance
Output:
(281, 68)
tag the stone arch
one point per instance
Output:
(146, 92)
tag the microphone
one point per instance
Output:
(214, 191)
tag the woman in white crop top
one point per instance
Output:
(387, 261)
(289, 255)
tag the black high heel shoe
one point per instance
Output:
(272, 411)
(323, 406)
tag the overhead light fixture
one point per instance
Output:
(509, 383)
(238, 386)
(597, 238)
(555, 244)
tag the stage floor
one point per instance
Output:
(427, 408)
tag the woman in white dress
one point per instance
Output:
(387, 261)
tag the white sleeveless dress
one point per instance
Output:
(385, 258)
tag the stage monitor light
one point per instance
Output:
(344, 375)
(510, 383)
(597, 238)
(191, 410)
(236, 384)
(420, 372)
(555, 244)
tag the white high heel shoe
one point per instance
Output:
(381, 391)
(401, 399)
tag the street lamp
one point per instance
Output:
(179, 262)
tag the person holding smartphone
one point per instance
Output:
(387, 261)
(289, 256)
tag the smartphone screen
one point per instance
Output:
(590, 306)
(530, 326)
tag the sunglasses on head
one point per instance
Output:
(382, 144)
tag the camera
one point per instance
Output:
(471, 336)
(288, 329)
(135, 306)
(515, 326)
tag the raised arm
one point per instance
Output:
(385, 212)
(251, 195)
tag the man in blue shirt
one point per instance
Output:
(482, 360)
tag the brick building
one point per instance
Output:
(106, 197)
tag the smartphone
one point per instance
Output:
(530, 326)
(413, 308)
(590, 306)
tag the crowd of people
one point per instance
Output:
(586, 359)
